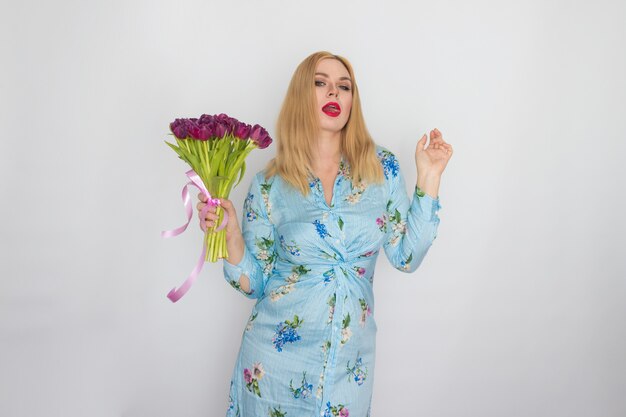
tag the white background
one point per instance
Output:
(518, 309)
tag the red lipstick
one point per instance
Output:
(332, 109)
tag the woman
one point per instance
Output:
(314, 221)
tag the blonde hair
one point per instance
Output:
(298, 125)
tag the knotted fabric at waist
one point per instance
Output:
(358, 265)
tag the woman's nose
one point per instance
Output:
(332, 90)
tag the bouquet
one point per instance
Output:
(215, 147)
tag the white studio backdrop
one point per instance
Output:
(518, 309)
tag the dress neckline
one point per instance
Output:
(316, 183)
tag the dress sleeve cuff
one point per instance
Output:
(426, 205)
(245, 266)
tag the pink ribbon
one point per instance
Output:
(175, 294)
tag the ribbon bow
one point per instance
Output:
(175, 294)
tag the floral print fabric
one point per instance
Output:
(308, 348)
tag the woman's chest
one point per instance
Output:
(309, 225)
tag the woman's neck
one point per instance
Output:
(327, 155)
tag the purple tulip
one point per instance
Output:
(189, 124)
(256, 132)
(234, 123)
(219, 129)
(229, 128)
(224, 118)
(242, 131)
(206, 119)
(179, 128)
(265, 141)
(204, 132)
(218, 126)
(198, 131)
(260, 136)
(194, 130)
(211, 126)
(230, 122)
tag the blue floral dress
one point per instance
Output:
(309, 345)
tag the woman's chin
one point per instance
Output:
(336, 127)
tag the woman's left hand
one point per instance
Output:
(433, 160)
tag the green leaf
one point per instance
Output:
(174, 147)
(332, 300)
(220, 156)
(195, 163)
(302, 269)
(241, 172)
(180, 152)
(340, 221)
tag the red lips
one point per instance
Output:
(332, 109)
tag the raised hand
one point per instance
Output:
(433, 160)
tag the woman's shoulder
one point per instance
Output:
(380, 148)
(388, 160)
(263, 180)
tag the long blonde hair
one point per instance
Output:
(298, 125)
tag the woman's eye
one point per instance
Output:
(319, 83)
(345, 87)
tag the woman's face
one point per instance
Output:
(333, 88)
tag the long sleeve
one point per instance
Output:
(412, 224)
(259, 248)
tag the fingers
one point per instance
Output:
(200, 206)
(435, 142)
(435, 135)
(437, 138)
(421, 143)
(443, 147)
(228, 208)
(225, 203)
(210, 216)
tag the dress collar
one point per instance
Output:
(342, 172)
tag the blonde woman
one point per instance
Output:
(313, 224)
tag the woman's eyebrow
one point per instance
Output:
(326, 75)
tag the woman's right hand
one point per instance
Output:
(235, 244)
(232, 227)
